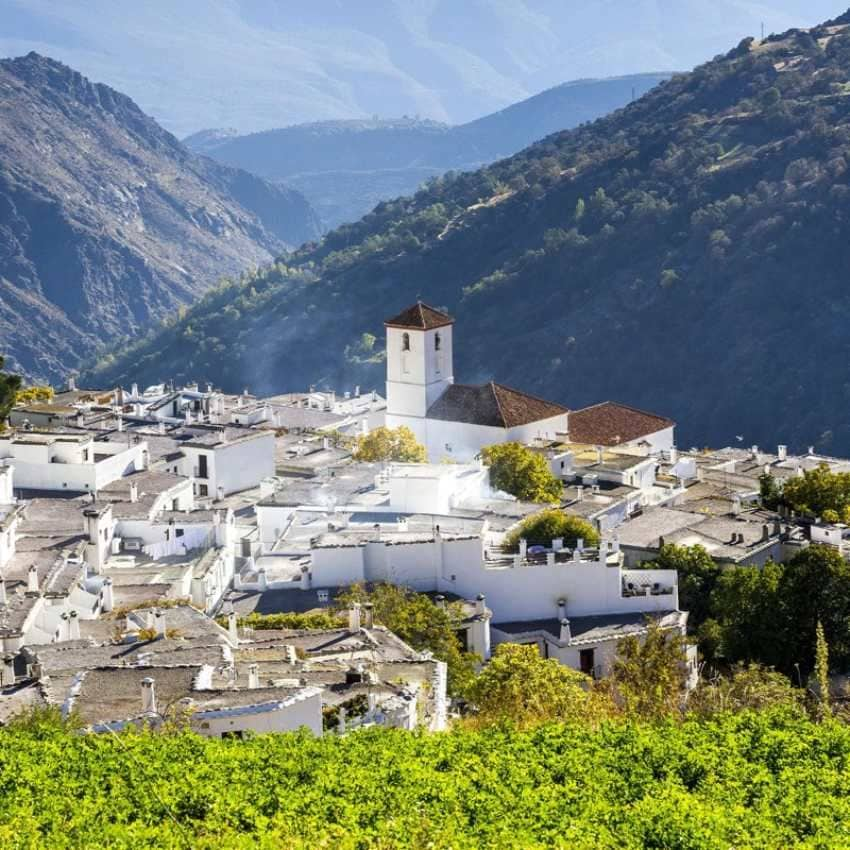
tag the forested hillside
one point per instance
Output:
(345, 168)
(753, 780)
(686, 254)
(107, 222)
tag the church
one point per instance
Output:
(454, 421)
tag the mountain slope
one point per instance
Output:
(258, 64)
(344, 168)
(108, 222)
(687, 254)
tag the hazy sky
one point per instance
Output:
(256, 64)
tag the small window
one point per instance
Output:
(437, 342)
(179, 532)
(405, 342)
(203, 490)
(322, 596)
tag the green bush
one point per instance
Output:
(542, 528)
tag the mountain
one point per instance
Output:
(107, 222)
(344, 168)
(260, 64)
(687, 254)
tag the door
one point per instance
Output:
(202, 466)
(586, 661)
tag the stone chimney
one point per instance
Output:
(3, 598)
(440, 600)
(262, 581)
(107, 600)
(566, 635)
(562, 609)
(579, 493)
(523, 548)
(148, 696)
(8, 672)
(291, 654)
(72, 384)
(599, 454)
(159, 623)
(782, 452)
(354, 617)
(368, 615)
(674, 455)
(73, 625)
(305, 577)
(480, 604)
(253, 676)
(134, 390)
(32, 579)
(134, 492)
(232, 628)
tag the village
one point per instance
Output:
(145, 533)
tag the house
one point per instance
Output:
(454, 421)
(610, 424)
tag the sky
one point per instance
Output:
(259, 64)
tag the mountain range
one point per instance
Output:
(344, 168)
(108, 223)
(685, 254)
(260, 64)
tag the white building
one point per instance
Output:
(454, 421)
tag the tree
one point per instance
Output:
(649, 673)
(698, 573)
(390, 444)
(542, 528)
(750, 687)
(34, 394)
(770, 491)
(818, 490)
(518, 470)
(9, 386)
(521, 687)
(421, 623)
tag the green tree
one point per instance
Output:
(389, 444)
(542, 528)
(422, 624)
(27, 395)
(770, 491)
(745, 688)
(10, 384)
(649, 673)
(523, 473)
(521, 687)
(818, 490)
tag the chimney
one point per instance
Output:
(811, 450)
(566, 635)
(72, 384)
(253, 676)
(368, 615)
(262, 581)
(599, 454)
(291, 654)
(8, 674)
(150, 618)
(580, 544)
(107, 600)
(480, 607)
(579, 493)
(782, 452)
(357, 391)
(523, 548)
(305, 577)
(134, 390)
(674, 455)
(440, 600)
(119, 423)
(159, 620)
(232, 628)
(32, 579)
(765, 532)
(736, 504)
(148, 696)
(134, 492)
(326, 443)
(354, 617)
(73, 626)
(562, 609)
(3, 598)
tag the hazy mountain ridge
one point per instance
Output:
(344, 168)
(220, 63)
(107, 222)
(706, 280)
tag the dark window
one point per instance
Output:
(437, 342)
(405, 342)
(203, 490)
(179, 532)
(585, 661)
(202, 467)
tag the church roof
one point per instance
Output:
(612, 424)
(491, 404)
(420, 317)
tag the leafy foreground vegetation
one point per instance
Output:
(711, 203)
(752, 780)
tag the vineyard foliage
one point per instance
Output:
(752, 780)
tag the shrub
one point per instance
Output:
(542, 528)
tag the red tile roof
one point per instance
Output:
(612, 424)
(421, 317)
(492, 404)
